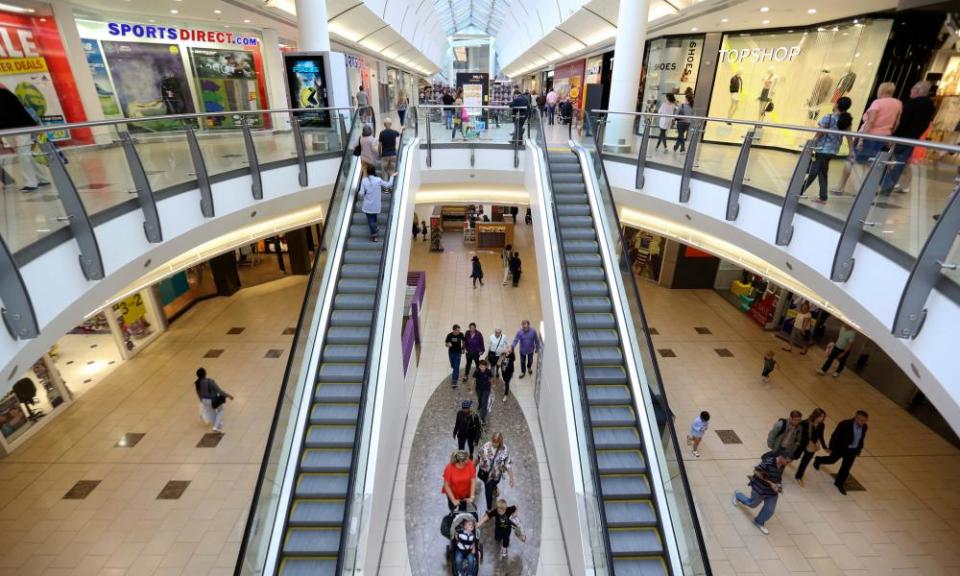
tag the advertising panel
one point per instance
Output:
(476, 87)
(307, 85)
(672, 67)
(568, 81)
(227, 82)
(150, 80)
(101, 78)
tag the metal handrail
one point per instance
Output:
(952, 148)
(192, 115)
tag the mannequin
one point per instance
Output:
(844, 85)
(768, 84)
(821, 89)
(736, 87)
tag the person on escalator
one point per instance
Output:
(370, 189)
(468, 427)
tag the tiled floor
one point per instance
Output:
(120, 527)
(450, 298)
(905, 523)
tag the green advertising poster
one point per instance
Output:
(101, 78)
(227, 82)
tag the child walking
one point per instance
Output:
(697, 429)
(504, 523)
(768, 365)
(424, 229)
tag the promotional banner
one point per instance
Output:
(227, 81)
(307, 85)
(150, 80)
(101, 78)
(475, 88)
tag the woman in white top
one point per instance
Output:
(800, 333)
(497, 346)
(368, 150)
(668, 108)
(370, 189)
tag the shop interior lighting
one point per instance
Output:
(246, 20)
(17, 9)
(724, 20)
(812, 11)
(764, 8)
(765, 22)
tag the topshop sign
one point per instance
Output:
(756, 55)
(154, 32)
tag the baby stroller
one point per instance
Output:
(448, 527)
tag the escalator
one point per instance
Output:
(633, 536)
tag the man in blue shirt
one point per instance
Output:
(529, 343)
(846, 443)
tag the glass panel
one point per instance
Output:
(952, 268)
(470, 124)
(165, 155)
(100, 174)
(27, 215)
(223, 150)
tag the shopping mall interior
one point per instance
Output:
(479, 287)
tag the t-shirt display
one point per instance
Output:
(793, 77)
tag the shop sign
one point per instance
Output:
(355, 62)
(756, 55)
(24, 71)
(131, 309)
(154, 32)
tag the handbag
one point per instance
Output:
(218, 401)
(357, 150)
(483, 475)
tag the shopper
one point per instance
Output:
(765, 488)
(467, 427)
(880, 119)
(495, 347)
(846, 443)
(551, 105)
(800, 331)
(811, 440)
(370, 190)
(518, 110)
(362, 99)
(402, 104)
(683, 124)
(482, 378)
(505, 255)
(388, 149)
(13, 114)
(212, 399)
(507, 365)
(369, 158)
(541, 103)
(667, 110)
(827, 146)
(492, 463)
(458, 123)
(918, 112)
(697, 429)
(448, 102)
(839, 351)
(504, 519)
(784, 436)
(455, 350)
(529, 343)
(416, 230)
(459, 479)
(516, 268)
(474, 348)
(769, 363)
(476, 271)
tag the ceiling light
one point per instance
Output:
(246, 20)
(764, 9)
(694, 29)
(724, 20)
(855, 20)
(174, 11)
(218, 11)
(765, 22)
(17, 9)
(151, 20)
(226, 25)
(821, 29)
(812, 11)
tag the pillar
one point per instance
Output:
(225, 274)
(627, 64)
(275, 78)
(298, 251)
(312, 25)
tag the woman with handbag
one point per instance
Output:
(492, 462)
(460, 112)
(811, 440)
(212, 400)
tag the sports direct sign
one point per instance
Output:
(154, 32)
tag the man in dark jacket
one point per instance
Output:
(519, 106)
(765, 487)
(918, 113)
(468, 427)
(13, 115)
(846, 443)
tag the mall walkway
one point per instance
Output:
(176, 501)
(904, 523)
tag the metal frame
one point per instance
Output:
(301, 153)
(203, 178)
(696, 133)
(17, 311)
(911, 312)
(256, 186)
(736, 182)
(843, 260)
(148, 203)
(642, 155)
(90, 260)
(792, 198)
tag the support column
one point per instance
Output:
(312, 25)
(225, 274)
(275, 78)
(625, 81)
(298, 251)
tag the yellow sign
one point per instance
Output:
(23, 65)
(131, 309)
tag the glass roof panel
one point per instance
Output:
(486, 15)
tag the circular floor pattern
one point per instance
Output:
(426, 506)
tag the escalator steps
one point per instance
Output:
(318, 541)
(309, 566)
(639, 567)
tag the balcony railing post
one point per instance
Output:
(298, 145)
(912, 311)
(792, 199)
(90, 260)
(642, 154)
(342, 123)
(843, 260)
(148, 203)
(17, 311)
(739, 171)
(256, 186)
(696, 129)
(200, 169)
(430, 141)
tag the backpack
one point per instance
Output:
(775, 433)
(446, 525)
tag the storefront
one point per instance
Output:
(34, 66)
(568, 81)
(34, 396)
(793, 77)
(671, 67)
(142, 70)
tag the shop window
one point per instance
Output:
(672, 68)
(34, 396)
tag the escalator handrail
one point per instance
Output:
(650, 349)
(581, 380)
(375, 330)
(312, 285)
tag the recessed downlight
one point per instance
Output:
(765, 22)
(218, 11)
(724, 20)
(812, 11)
(764, 8)
(174, 11)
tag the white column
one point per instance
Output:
(312, 24)
(73, 46)
(627, 63)
(274, 77)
